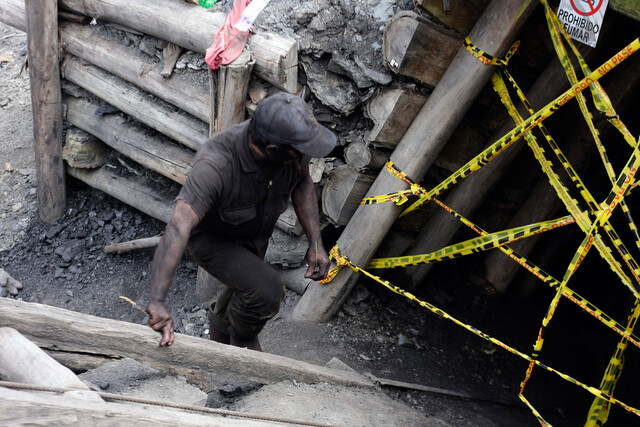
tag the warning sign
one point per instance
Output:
(582, 19)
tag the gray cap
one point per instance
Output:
(286, 119)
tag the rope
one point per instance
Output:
(121, 398)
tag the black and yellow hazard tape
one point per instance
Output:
(601, 214)
(487, 59)
(497, 147)
(471, 246)
(599, 410)
(551, 281)
(571, 205)
(600, 98)
(343, 261)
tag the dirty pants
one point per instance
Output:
(251, 291)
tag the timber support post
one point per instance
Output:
(42, 44)
(415, 153)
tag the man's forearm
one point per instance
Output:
(165, 261)
(305, 203)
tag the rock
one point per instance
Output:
(286, 250)
(230, 390)
(404, 341)
(54, 231)
(69, 249)
(331, 89)
(82, 150)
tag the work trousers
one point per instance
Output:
(252, 290)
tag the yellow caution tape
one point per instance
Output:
(602, 213)
(471, 246)
(515, 134)
(487, 59)
(570, 203)
(343, 261)
(601, 101)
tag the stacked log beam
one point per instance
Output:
(194, 28)
(51, 327)
(87, 44)
(154, 152)
(133, 101)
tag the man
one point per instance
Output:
(240, 183)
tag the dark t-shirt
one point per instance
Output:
(233, 195)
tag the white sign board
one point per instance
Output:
(582, 19)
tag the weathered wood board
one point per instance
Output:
(416, 47)
(461, 15)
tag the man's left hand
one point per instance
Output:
(319, 263)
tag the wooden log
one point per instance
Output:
(156, 205)
(461, 15)
(31, 408)
(152, 151)
(42, 45)
(194, 28)
(359, 155)
(416, 47)
(630, 8)
(416, 152)
(21, 361)
(177, 125)
(229, 86)
(70, 331)
(12, 13)
(131, 245)
(392, 111)
(343, 192)
(85, 43)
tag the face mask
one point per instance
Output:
(281, 154)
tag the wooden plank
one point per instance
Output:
(154, 204)
(85, 43)
(69, 331)
(50, 409)
(195, 28)
(416, 152)
(177, 125)
(42, 45)
(461, 15)
(152, 151)
(416, 47)
(22, 361)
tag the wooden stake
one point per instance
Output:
(42, 44)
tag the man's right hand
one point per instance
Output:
(160, 320)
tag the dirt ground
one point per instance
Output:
(63, 265)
